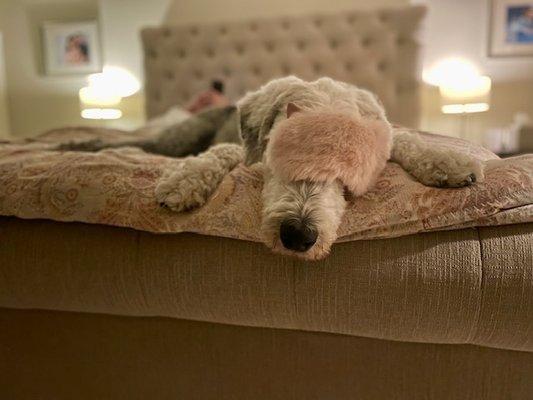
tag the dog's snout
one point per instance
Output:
(297, 237)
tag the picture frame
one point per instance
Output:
(510, 28)
(71, 47)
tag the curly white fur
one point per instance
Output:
(261, 110)
(434, 166)
(317, 205)
(191, 185)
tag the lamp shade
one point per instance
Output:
(99, 104)
(100, 99)
(122, 82)
(468, 95)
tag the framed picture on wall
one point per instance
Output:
(71, 47)
(511, 28)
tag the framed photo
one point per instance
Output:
(71, 48)
(511, 28)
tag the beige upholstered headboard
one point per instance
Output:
(373, 49)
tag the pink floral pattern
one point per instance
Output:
(116, 187)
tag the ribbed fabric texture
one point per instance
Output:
(467, 286)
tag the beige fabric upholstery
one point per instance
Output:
(374, 49)
(507, 283)
(467, 286)
(65, 356)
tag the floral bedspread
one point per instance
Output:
(116, 187)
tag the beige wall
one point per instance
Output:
(121, 22)
(38, 102)
(460, 28)
(508, 98)
(4, 115)
(199, 11)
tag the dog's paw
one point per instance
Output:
(187, 188)
(454, 170)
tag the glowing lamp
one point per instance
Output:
(99, 104)
(450, 69)
(462, 89)
(115, 80)
(468, 95)
(101, 113)
(99, 100)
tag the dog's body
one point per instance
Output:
(190, 136)
(301, 215)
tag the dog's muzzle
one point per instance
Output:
(297, 236)
(323, 149)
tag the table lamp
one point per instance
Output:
(105, 91)
(468, 95)
(99, 104)
(465, 95)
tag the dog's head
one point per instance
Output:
(311, 159)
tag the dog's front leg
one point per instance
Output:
(435, 166)
(196, 180)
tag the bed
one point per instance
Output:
(104, 305)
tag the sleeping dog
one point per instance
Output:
(316, 141)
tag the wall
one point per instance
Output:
(121, 22)
(38, 102)
(460, 28)
(53, 101)
(453, 27)
(199, 11)
(507, 99)
(4, 115)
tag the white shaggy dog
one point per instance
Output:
(301, 217)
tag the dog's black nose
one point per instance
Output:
(297, 237)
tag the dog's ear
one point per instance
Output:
(255, 140)
(291, 109)
(255, 127)
(249, 134)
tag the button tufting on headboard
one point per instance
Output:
(373, 49)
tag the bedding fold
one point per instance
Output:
(116, 187)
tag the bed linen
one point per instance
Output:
(116, 187)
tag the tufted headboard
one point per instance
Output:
(376, 50)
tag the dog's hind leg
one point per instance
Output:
(197, 178)
(435, 166)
